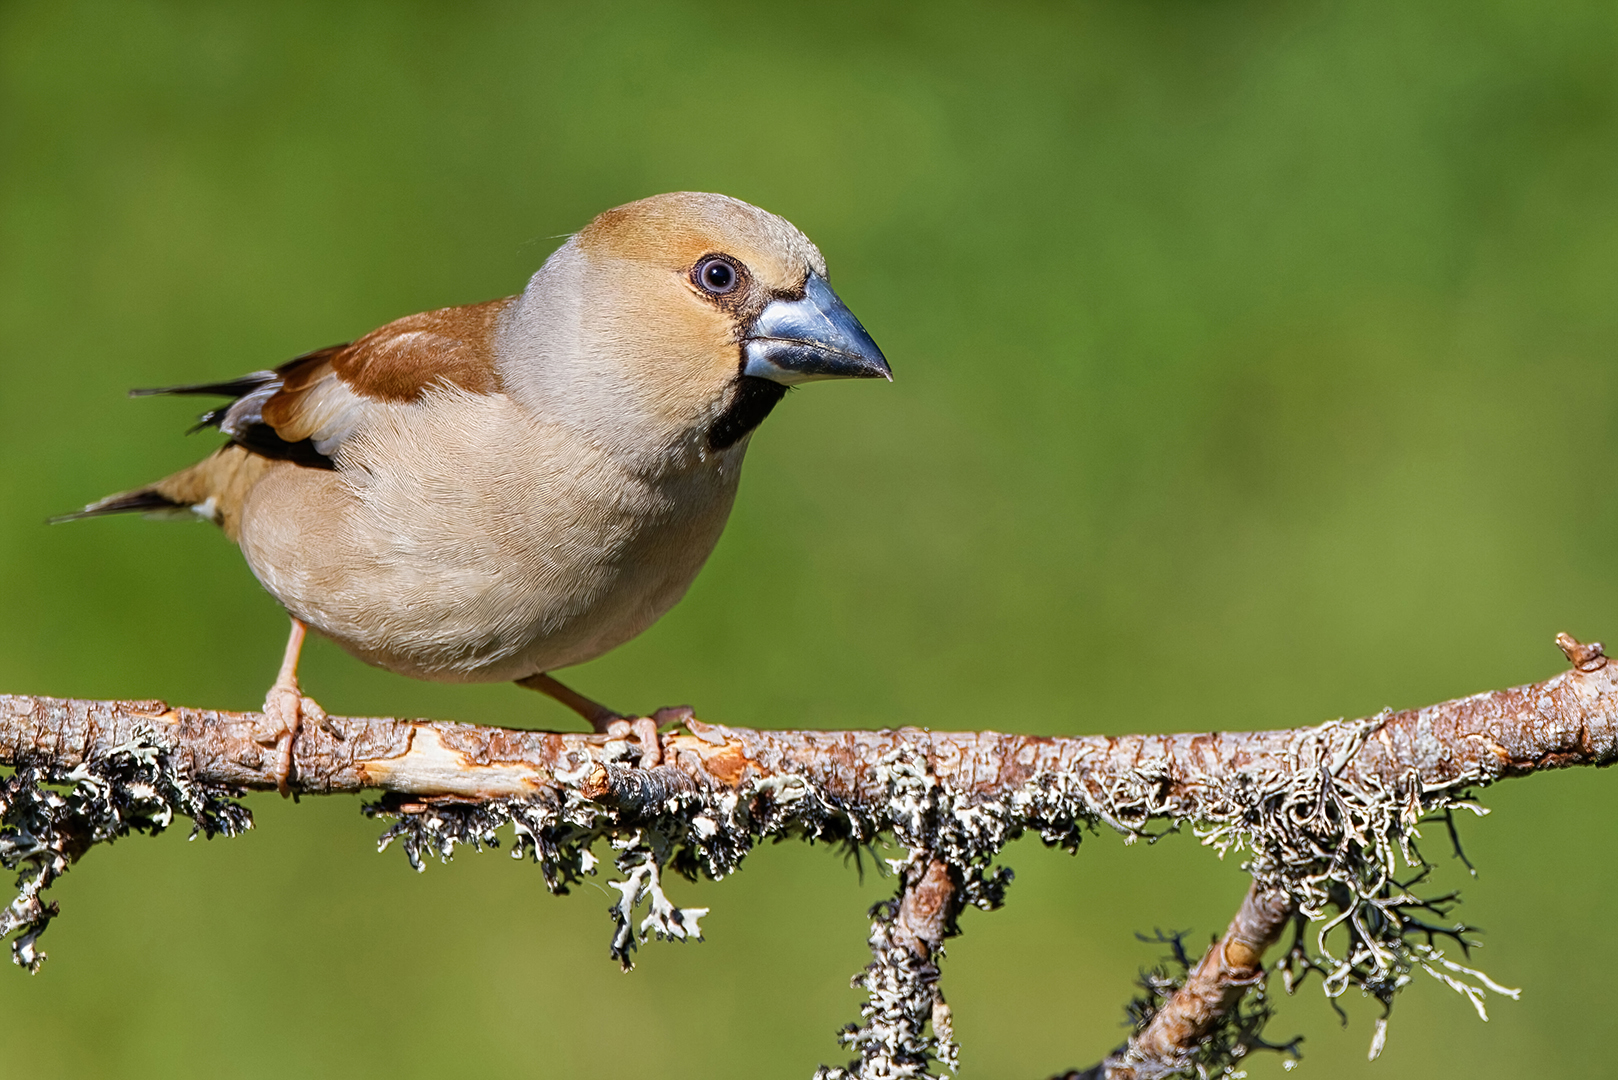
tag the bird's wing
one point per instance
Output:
(304, 409)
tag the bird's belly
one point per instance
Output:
(436, 577)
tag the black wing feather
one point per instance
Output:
(235, 388)
(243, 420)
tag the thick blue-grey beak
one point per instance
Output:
(794, 341)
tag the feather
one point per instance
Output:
(142, 501)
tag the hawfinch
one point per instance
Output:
(495, 491)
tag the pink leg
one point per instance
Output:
(285, 706)
(603, 719)
(599, 715)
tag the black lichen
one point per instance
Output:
(49, 817)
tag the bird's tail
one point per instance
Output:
(213, 489)
(147, 500)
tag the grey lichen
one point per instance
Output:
(903, 1001)
(49, 817)
(654, 822)
(651, 823)
(1314, 829)
(1319, 834)
(907, 1023)
(1334, 842)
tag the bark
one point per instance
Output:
(1568, 720)
(1231, 966)
(952, 798)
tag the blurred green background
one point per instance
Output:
(1255, 365)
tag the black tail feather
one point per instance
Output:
(145, 501)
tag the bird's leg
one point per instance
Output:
(599, 715)
(285, 707)
(671, 715)
(602, 719)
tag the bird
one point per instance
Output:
(495, 491)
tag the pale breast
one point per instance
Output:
(460, 540)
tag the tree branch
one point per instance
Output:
(1324, 812)
(1231, 967)
(1568, 720)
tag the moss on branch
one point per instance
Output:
(1326, 817)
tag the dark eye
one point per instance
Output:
(717, 276)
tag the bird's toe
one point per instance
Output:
(286, 709)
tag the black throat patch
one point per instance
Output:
(749, 405)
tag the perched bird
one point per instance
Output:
(495, 491)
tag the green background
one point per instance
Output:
(1254, 366)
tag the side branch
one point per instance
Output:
(1232, 965)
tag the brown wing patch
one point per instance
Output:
(398, 361)
(320, 391)
(299, 373)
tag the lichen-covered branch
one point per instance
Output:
(1326, 815)
(1173, 1032)
(907, 941)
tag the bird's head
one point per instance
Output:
(680, 320)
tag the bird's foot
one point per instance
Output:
(612, 724)
(644, 728)
(286, 709)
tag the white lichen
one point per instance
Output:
(50, 816)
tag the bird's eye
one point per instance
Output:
(717, 276)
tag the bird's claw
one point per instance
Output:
(287, 708)
(644, 729)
